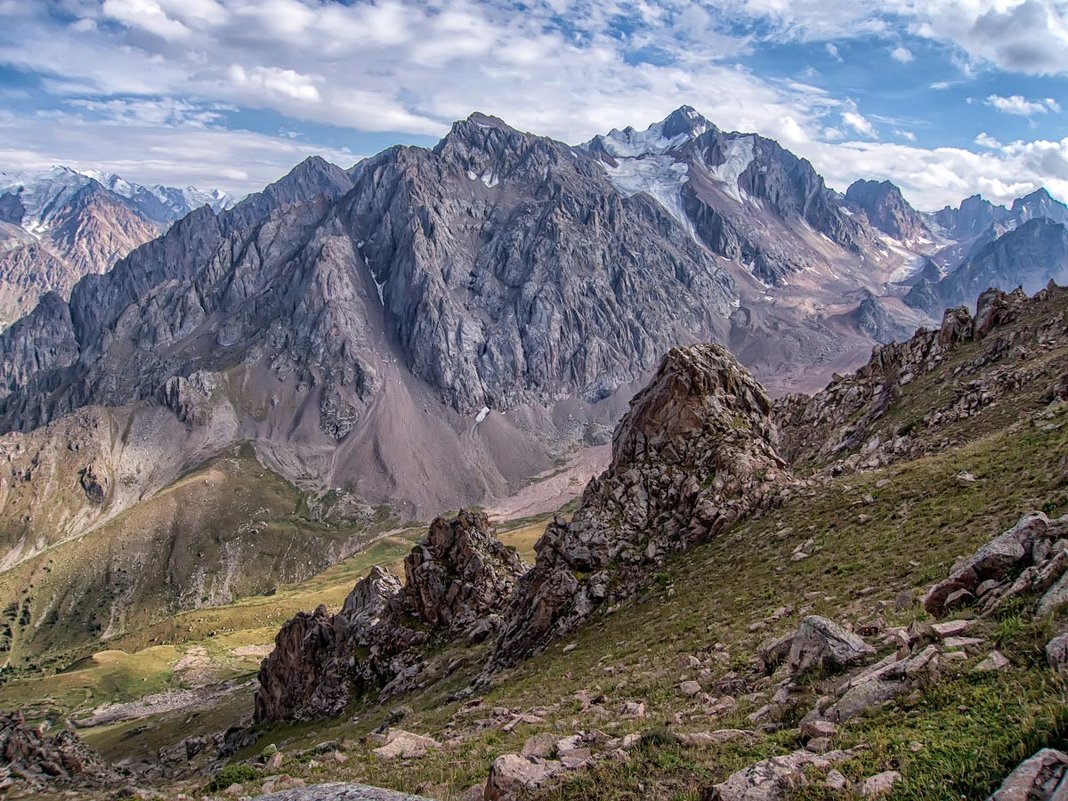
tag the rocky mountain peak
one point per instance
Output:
(685, 121)
(1039, 203)
(886, 209)
(696, 451)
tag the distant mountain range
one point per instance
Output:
(60, 224)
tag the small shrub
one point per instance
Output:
(232, 774)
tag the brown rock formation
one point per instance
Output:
(694, 453)
(457, 581)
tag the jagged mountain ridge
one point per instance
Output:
(61, 224)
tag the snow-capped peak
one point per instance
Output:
(676, 129)
(42, 192)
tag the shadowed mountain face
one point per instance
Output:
(887, 210)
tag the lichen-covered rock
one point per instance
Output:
(1042, 777)
(695, 452)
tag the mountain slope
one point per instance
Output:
(697, 677)
(61, 224)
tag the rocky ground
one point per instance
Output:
(883, 617)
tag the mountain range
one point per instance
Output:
(426, 329)
(58, 225)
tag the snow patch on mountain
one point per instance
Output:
(660, 177)
(737, 159)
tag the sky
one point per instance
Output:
(946, 98)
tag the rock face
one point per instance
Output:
(1028, 256)
(458, 579)
(59, 225)
(309, 673)
(887, 210)
(34, 762)
(460, 575)
(696, 451)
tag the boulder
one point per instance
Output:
(402, 744)
(880, 784)
(1057, 652)
(821, 644)
(1036, 779)
(514, 777)
(774, 779)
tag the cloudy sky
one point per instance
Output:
(946, 97)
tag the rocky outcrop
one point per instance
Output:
(460, 577)
(845, 417)
(457, 581)
(1042, 777)
(1030, 559)
(310, 672)
(35, 762)
(696, 451)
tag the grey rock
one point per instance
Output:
(1057, 652)
(822, 645)
(339, 792)
(1037, 778)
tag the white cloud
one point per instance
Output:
(149, 149)
(983, 139)
(1021, 106)
(832, 50)
(859, 123)
(902, 54)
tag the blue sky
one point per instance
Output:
(946, 98)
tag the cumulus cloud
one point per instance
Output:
(1021, 106)
(901, 54)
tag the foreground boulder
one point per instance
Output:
(696, 451)
(1029, 558)
(458, 580)
(31, 761)
(1043, 777)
